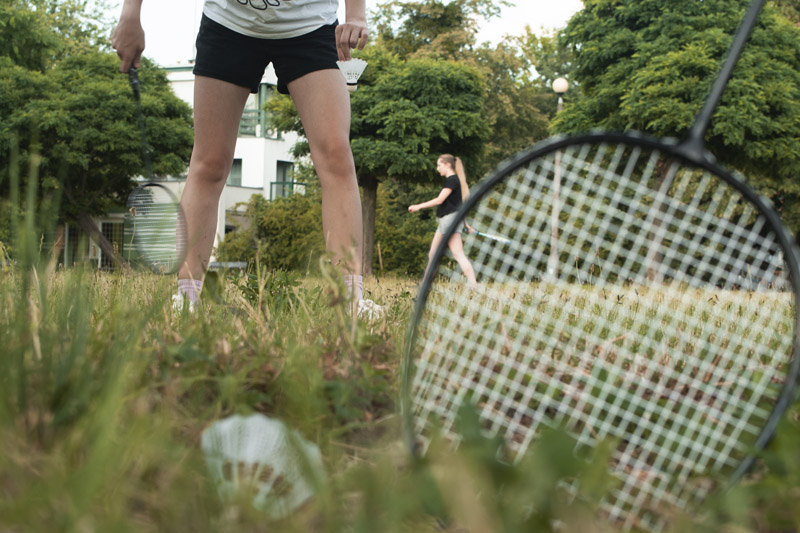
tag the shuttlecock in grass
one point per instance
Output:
(260, 456)
(351, 70)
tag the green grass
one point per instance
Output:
(104, 393)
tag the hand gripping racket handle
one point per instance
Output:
(133, 77)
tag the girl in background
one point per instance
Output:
(454, 191)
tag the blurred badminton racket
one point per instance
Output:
(626, 319)
(154, 223)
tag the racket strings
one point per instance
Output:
(665, 321)
(155, 228)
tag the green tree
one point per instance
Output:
(515, 104)
(648, 65)
(36, 33)
(447, 31)
(65, 101)
(81, 118)
(549, 54)
(552, 58)
(790, 9)
(26, 36)
(433, 28)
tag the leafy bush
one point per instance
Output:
(404, 238)
(284, 234)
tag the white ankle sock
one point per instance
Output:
(190, 288)
(354, 286)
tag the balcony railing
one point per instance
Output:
(254, 124)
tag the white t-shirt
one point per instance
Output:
(272, 19)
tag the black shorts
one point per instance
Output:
(229, 56)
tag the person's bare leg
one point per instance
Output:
(323, 103)
(218, 109)
(437, 238)
(457, 248)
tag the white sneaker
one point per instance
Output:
(369, 310)
(181, 302)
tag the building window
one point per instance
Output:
(283, 185)
(235, 177)
(265, 92)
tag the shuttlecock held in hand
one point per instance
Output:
(351, 70)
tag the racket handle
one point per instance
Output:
(133, 77)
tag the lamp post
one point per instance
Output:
(560, 86)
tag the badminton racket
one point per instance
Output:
(497, 238)
(649, 300)
(154, 223)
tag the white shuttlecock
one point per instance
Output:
(369, 310)
(351, 70)
(262, 457)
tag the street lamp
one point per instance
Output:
(560, 86)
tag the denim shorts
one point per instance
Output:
(239, 59)
(445, 221)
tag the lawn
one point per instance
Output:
(105, 393)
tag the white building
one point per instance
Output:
(262, 164)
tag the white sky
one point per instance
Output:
(171, 25)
